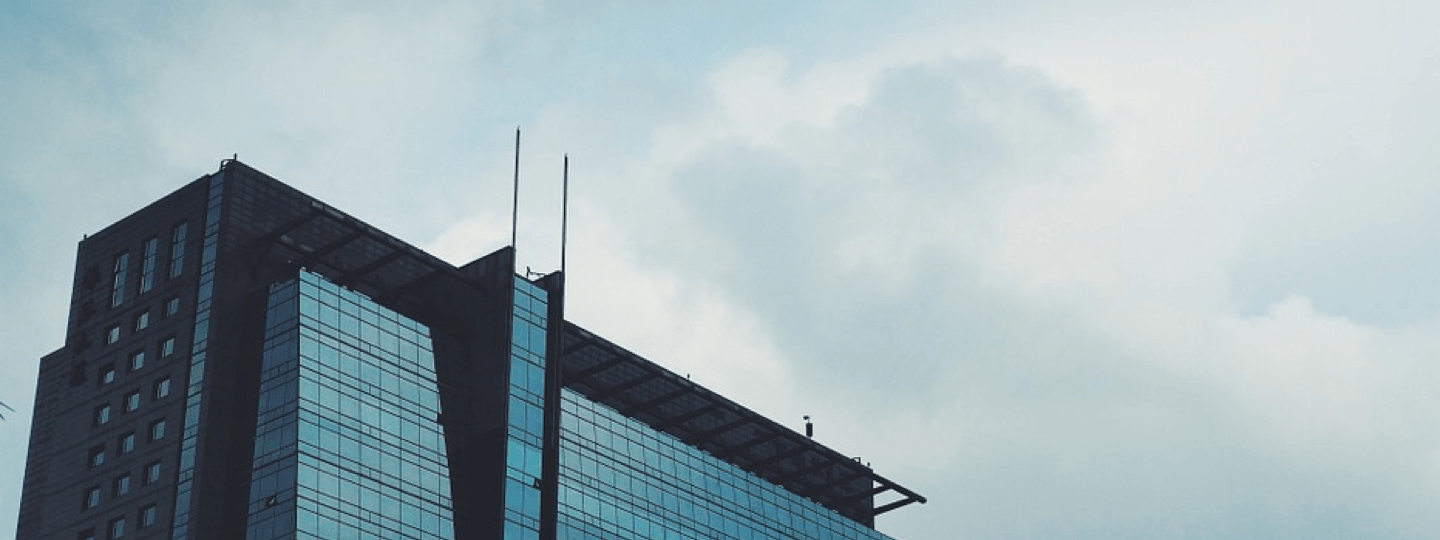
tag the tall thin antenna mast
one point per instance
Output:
(515, 205)
(564, 212)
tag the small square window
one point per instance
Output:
(172, 306)
(126, 444)
(152, 473)
(121, 485)
(162, 388)
(157, 430)
(91, 499)
(102, 415)
(112, 335)
(132, 401)
(117, 528)
(142, 321)
(167, 347)
(137, 360)
(107, 374)
(96, 456)
(149, 516)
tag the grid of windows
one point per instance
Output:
(347, 444)
(622, 479)
(526, 426)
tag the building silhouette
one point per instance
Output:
(243, 361)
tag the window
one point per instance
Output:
(152, 473)
(142, 321)
(167, 347)
(157, 430)
(91, 499)
(107, 374)
(162, 388)
(177, 250)
(96, 457)
(87, 534)
(121, 485)
(117, 528)
(137, 360)
(117, 284)
(147, 265)
(148, 517)
(126, 444)
(102, 415)
(132, 401)
(172, 306)
(112, 335)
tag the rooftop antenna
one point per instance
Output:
(564, 211)
(809, 427)
(515, 204)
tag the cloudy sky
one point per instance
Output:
(1115, 270)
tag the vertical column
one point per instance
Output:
(526, 425)
(200, 345)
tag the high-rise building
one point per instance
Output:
(243, 361)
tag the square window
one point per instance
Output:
(162, 388)
(102, 415)
(126, 444)
(91, 499)
(137, 360)
(117, 528)
(96, 457)
(172, 306)
(107, 374)
(112, 335)
(142, 321)
(152, 473)
(149, 515)
(132, 401)
(157, 430)
(121, 485)
(167, 347)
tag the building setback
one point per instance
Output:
(243, 361)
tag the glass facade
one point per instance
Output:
(199, 351)
(526, 426)
(347, 444)
(621, 479)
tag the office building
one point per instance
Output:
(243, 361)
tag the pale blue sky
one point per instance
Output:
(1112, 270)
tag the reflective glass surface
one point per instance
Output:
(621, 479)
(347, 444)
(526, 426)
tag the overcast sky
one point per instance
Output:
(1115, 270)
